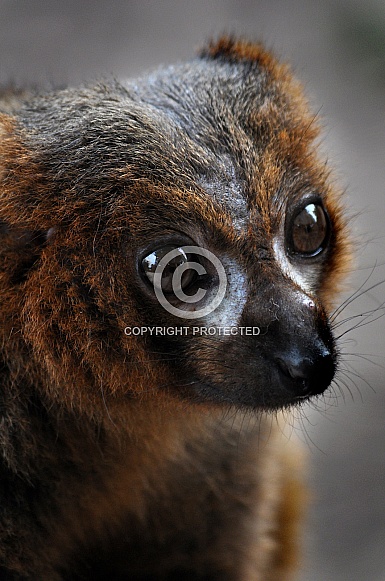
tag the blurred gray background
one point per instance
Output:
(337, 48)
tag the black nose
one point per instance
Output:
(306, 373)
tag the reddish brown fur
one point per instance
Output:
(235, 50)
(102, 434)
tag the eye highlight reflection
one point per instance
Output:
(309, 231)
(182, 259)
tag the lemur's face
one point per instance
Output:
(128, 210)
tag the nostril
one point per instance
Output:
(296, 374)
(308, 374)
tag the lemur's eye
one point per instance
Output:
(174, 258)
(309, 232)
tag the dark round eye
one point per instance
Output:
(178, 257)
(309, 232)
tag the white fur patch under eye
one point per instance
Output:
(229, 312)
(306, 279)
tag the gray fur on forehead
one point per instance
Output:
(184, 88)
(190, 114)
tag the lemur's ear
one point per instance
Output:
(21, 234)
(236, 49)
(22, 183)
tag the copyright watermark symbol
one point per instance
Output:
(177, 288)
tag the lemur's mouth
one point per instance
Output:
(285, 382)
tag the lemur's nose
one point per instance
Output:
(307, 373)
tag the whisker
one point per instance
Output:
(352, 317)
(365, 357)
(345, 380)
(366, 321)
(361, 291)
(303, 421)
(348, 371)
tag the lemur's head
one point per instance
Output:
(174, 237)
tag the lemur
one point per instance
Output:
(142, 420)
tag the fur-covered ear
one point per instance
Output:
(22, 237)
(237, 50)
(22, 183)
